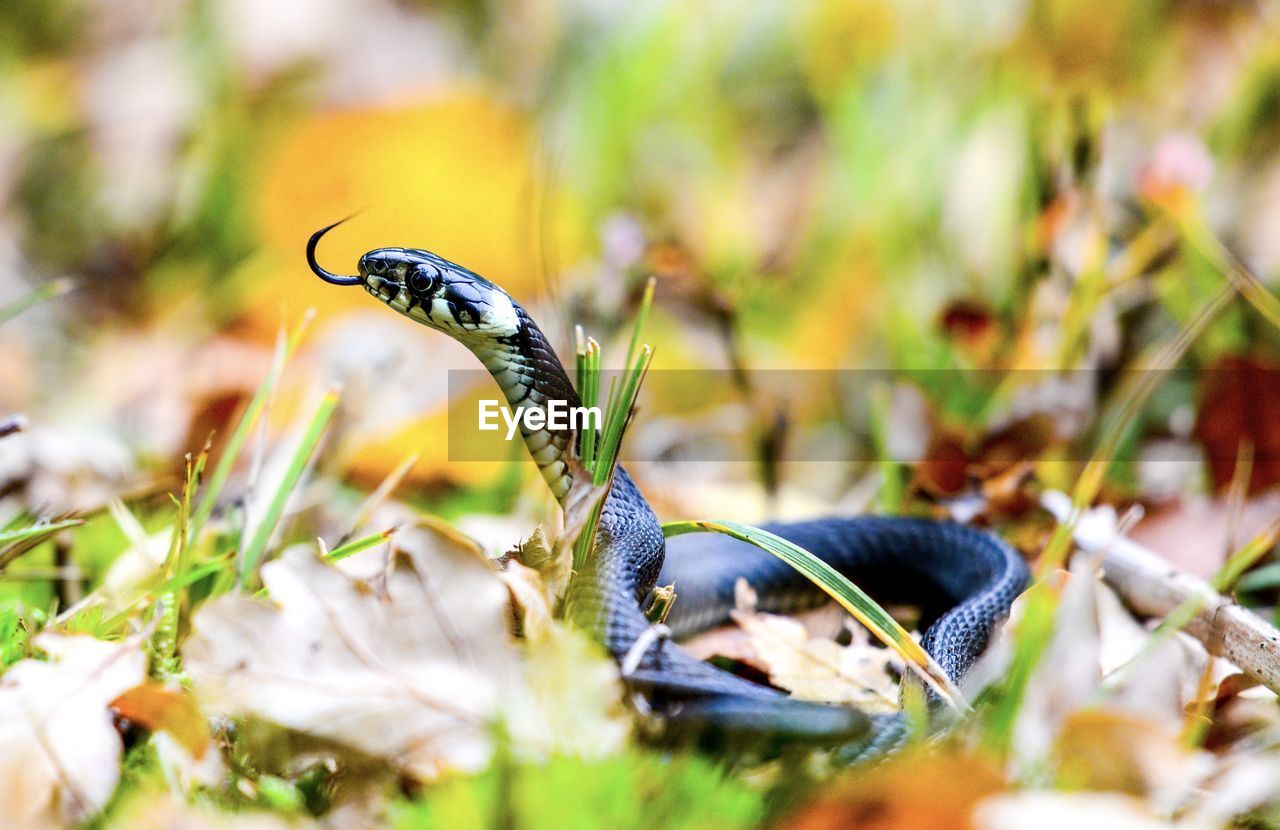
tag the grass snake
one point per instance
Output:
(962, 579)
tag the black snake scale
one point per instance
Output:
(962, 579)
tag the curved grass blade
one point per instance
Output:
(15, 542)
(849, 596)
(8, 537)
(297, 464)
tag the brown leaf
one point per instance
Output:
(914, 792)
(944, 469)
(159, 708)
(971, 325)
(820, 669)
(1240, 402)
(529, 599)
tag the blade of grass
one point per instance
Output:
(285, 347)
(599, 453)
(43, 293)
(1261, 579)
(380, 495)
(642, 315)
(1207, 244)
(9, 537)
(163, 643)
(257, 546)
(850, 597)
(360, 545)
(15, 543)
(606, 462)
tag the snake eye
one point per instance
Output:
(423, 278)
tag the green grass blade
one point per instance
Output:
(646, 301)
(580, 355)
(252, 554)
(1207, 244)
(360, 545)
(285, 346)
(43, 293)
(599, 448)
(616, 419)
(849, 596)
(16, 542)
(1261, 579)
(191, 576)
(9, 537)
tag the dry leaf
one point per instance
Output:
(62, 751)
(1197, 533)
(1240, 403)
(916, 792)
(161, 709)
(528, 599)
(1069, 811)
(1105, 750)
(573, 700)
(820, 669)
(553, 563)
(414, 674)
(418, 672)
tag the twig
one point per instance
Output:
(1152, 587)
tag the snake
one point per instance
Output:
(962, 579)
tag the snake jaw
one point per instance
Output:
(383, 288)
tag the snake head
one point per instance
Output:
(430, 290)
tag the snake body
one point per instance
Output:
(962, 579)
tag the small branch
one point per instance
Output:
(1150, 586)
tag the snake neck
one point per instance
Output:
(530, 375)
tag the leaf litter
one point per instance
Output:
(419, 668)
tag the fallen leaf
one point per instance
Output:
(1094, 638)
(1240, 403)
(820, 669)
(972, 326)
(573, 701)
(414, 674)
(62, 751)
(1068, 811)
(915, 792)
(1107, 750)
(529, 599)
(1195, 533)
(167, 813)
(553, 563)
(162, 709)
